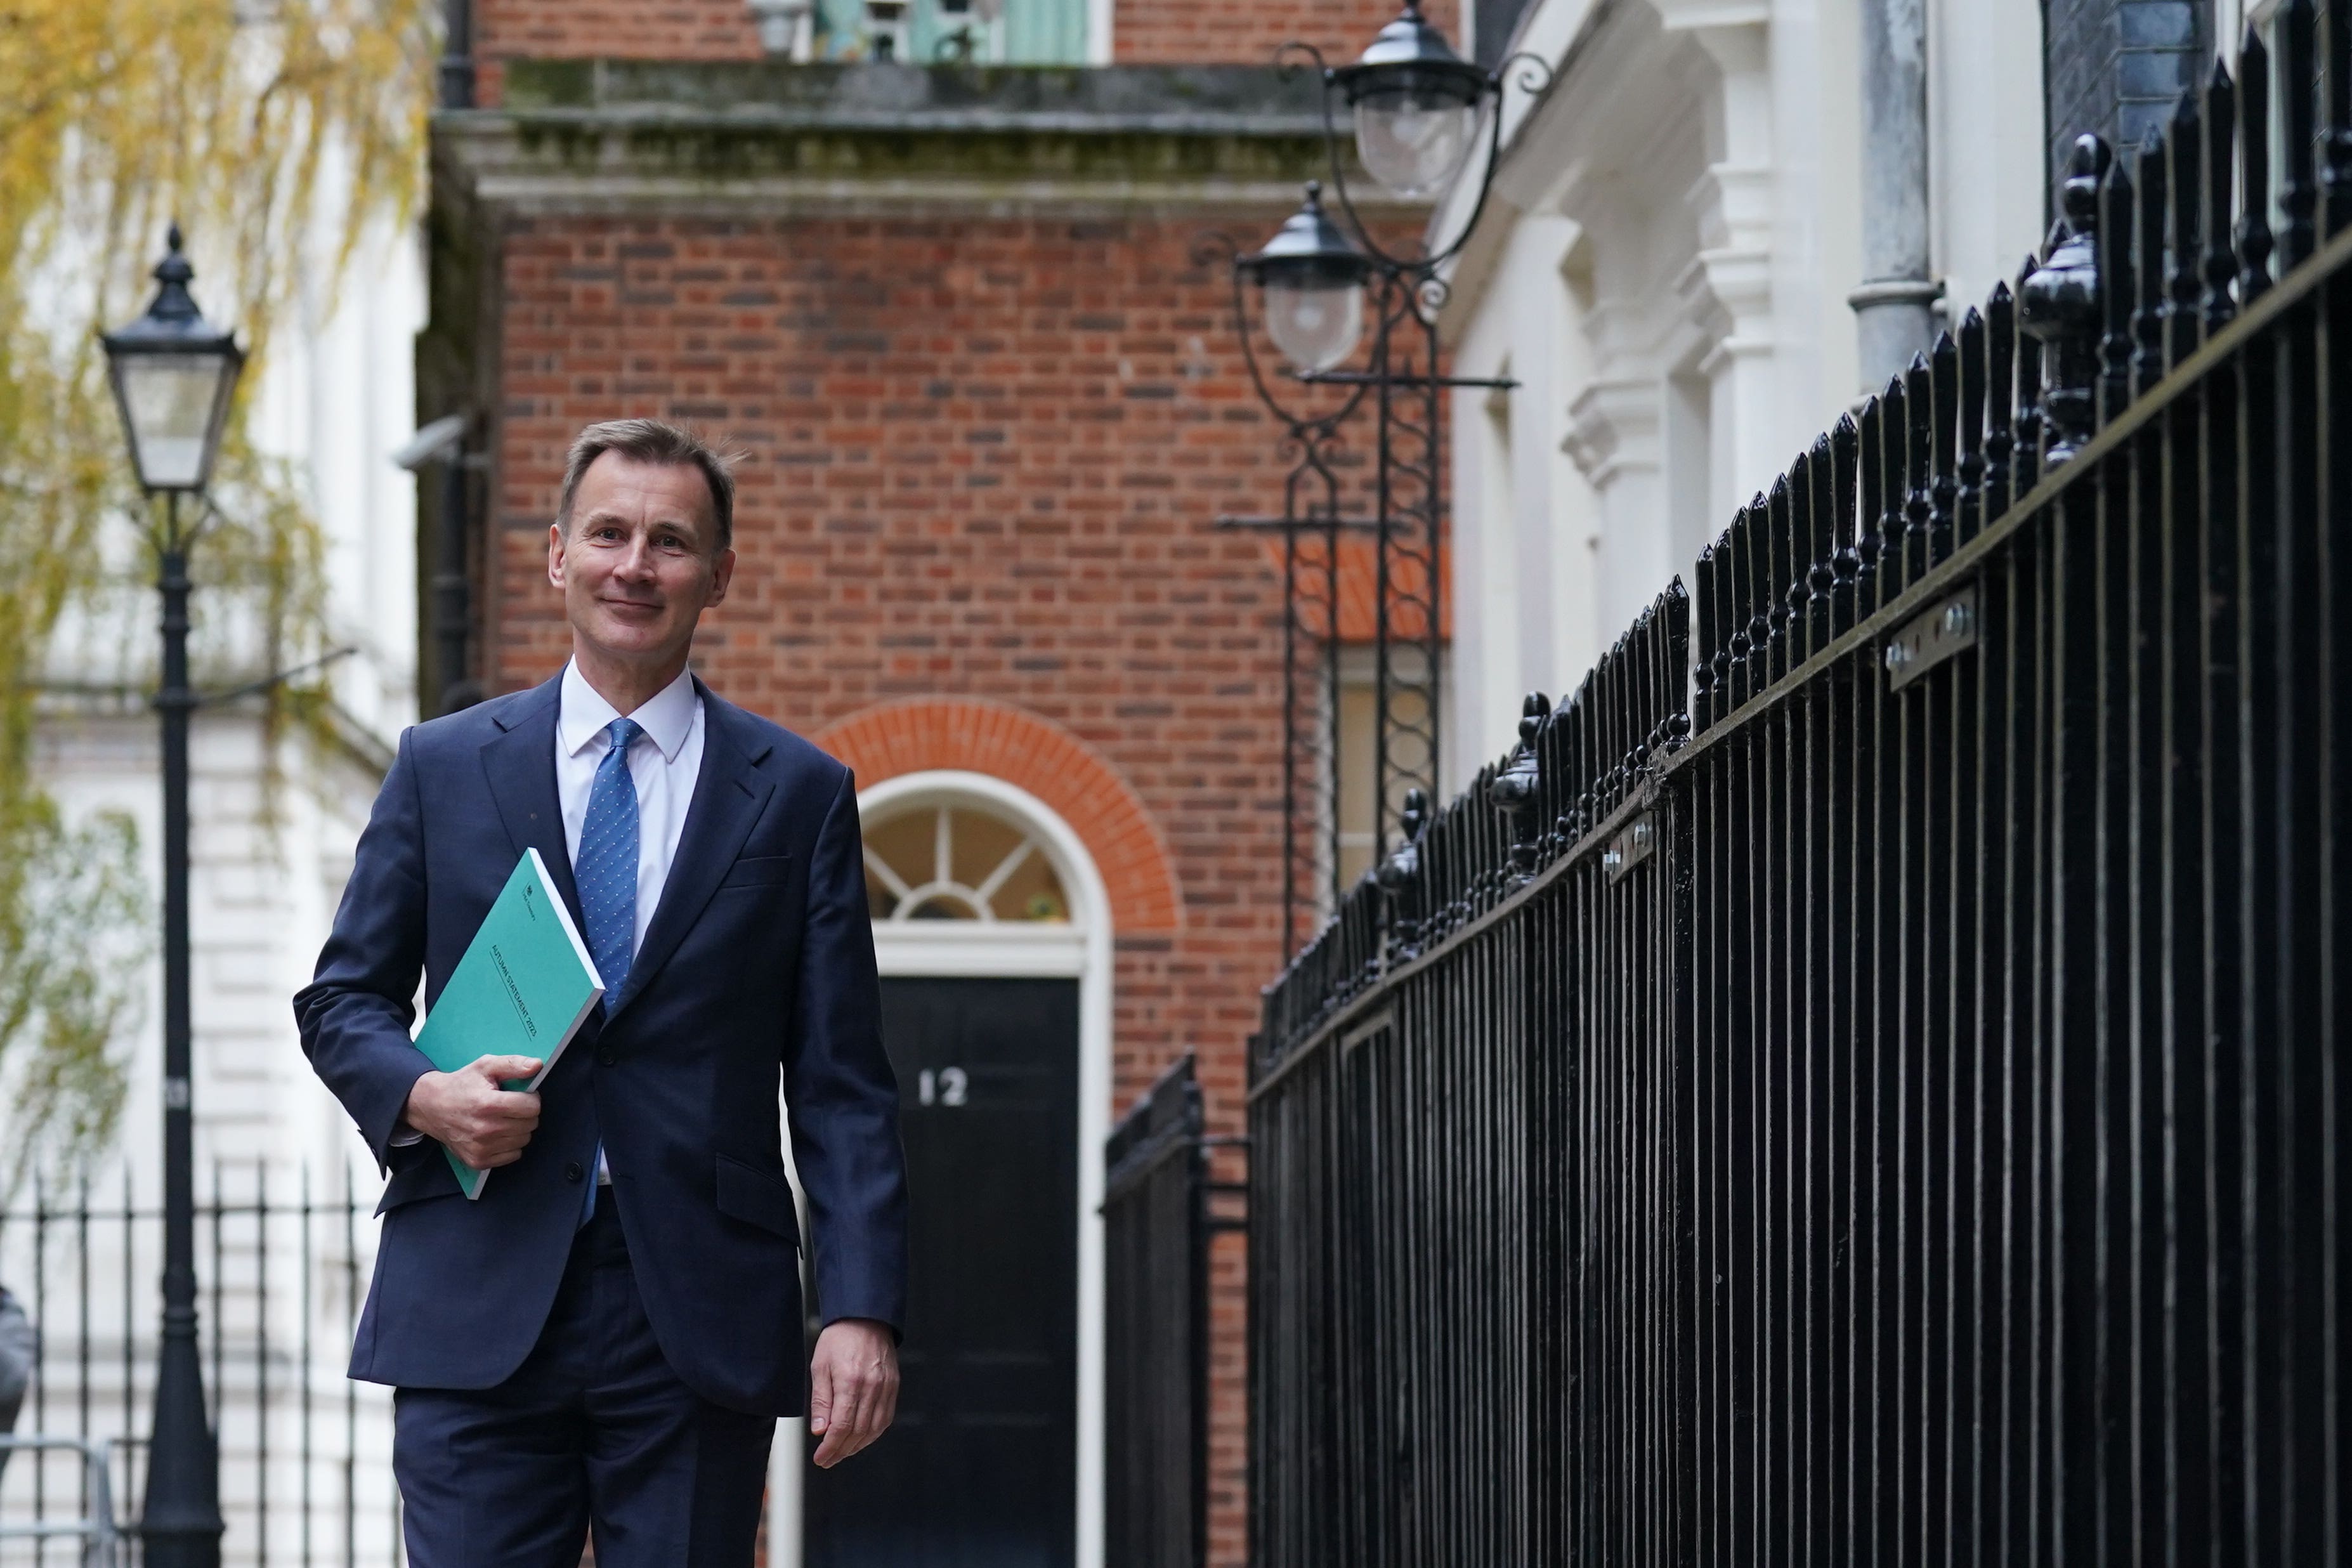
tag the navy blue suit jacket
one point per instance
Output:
(759, 955)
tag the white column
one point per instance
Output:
(1986, 142)
(1483, 649)
(1728, 288)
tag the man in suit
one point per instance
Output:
(602, 1341)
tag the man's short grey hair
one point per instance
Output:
(651, 441)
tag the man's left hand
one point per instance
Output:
(853, 1387)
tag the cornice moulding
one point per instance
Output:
(600, 136)
(515, 164)
(1203, 99)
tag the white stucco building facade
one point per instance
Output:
(1664, 268)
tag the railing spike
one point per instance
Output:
(1587, 723)
(1551, 748)
(1756, 567)
(1967, 512)
(1702, 668)
(1869, 505)
(1919, 403)
(2147, 318)
(2298, 87)
(2253, 230)
(1737, 642)
(2000, 392)
(2025, 461)
(2335, 178)
(1845, 563)
(1560, 787)
(2184, 318)
(1823, 474)
(2220, 166)
(1797, 562)
(1894, 440)
(2116, 292)
(1676, 613)
(1779, 546)
(1610, 725)
(1717, 612)
(1943, 379)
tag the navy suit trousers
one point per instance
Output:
(593, 1432)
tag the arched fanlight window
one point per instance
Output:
(952, 863)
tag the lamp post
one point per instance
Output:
(1321, 280)
(172, 373)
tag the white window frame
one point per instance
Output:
(1080, 949)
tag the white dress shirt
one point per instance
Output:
(664, 766)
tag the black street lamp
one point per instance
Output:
(1415, 105)
(173, 374)
(1322, 279)
(1310, 277)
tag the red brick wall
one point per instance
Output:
(608, 29)
(661, 30)
(1143, 32)
(984, 456)
(1247, 32)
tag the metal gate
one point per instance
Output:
(282, 1260)
(1156, 1351)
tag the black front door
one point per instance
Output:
(980, 1469)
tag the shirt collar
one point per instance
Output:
(582, 713)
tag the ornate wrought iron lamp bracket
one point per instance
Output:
(1353, 314)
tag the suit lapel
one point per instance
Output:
(728, 796)
(521, 766)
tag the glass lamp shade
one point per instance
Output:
(174, 406)
(1413, 139)
(1416, 106)
(1317, 322)
(1312, 277)
(173, 373)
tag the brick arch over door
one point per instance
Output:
(920, 734)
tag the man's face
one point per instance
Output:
(637, 568)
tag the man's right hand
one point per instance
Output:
(468, 1113)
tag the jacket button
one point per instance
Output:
(572, 1171)
(605, 1057)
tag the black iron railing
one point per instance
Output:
(305, 1454)
(1156, 1338)
(1889, 1106)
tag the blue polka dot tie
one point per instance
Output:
(606, 872)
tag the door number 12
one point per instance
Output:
(945, 1087)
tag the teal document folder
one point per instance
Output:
(522, 989)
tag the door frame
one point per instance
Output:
(1079, 949)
